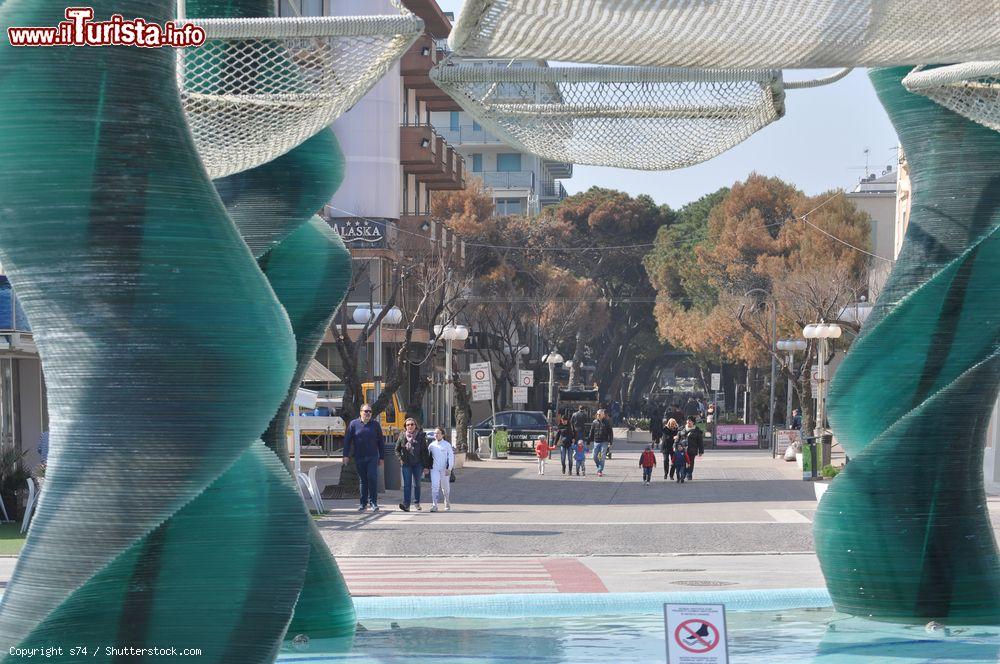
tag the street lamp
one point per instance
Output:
(790, 346)
(449, 333)
(822, 332)
(363, 316)
(552, 359)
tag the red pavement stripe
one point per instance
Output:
(572, 576)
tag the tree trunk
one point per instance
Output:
(463, 413)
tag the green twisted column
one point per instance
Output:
(309, 269)
(164, 521)
(904, 533)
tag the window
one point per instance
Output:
(292, 8)
(475, 126)
(454, 121)
(508, 162)
(477, 162)
(509, 206)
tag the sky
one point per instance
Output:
(819, 145)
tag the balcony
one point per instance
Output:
(417, 62)
(551, 193)
(507, 179)
(558, 169)
(469, 135)
(427, 156)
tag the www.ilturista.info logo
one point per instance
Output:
(79, 29)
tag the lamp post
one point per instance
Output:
(450, 333)
(821, 332)
(790, 346)
(363, 316)
(552, 359)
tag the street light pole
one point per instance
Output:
(364, 315)
(450, 334)
(821, 332)
(774, 370)
(552, 359)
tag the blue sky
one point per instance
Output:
(818, 145)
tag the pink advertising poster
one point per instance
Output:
(737, 435)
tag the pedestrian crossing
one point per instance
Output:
(392, 576)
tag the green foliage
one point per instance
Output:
(829, 471)
(13, 474)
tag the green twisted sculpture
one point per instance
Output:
(904, 533)
(309, 269)
(164, 522)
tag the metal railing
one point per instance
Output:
(506, 179)
(467, 134)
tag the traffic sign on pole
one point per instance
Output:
(481, 377)
(525, 378)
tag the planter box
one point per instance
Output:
(459, 460)
(639, 437)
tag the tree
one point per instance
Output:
(766, 245)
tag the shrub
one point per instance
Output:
(829, 471)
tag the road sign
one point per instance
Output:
(481, 377)
(696, 633)
(520, 395)
(716, 382)
(814, 380)
(525, 379)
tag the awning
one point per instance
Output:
(317, 373)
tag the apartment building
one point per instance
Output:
(876, 195)
(395, 160)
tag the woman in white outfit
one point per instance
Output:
(442, 461)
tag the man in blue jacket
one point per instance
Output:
(365, 442)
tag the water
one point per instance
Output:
(634, 633)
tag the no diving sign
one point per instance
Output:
(696, 633)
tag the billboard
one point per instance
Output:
(737, 435)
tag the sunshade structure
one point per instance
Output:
(258, 87)
(971, 89)
(731, 33)
(629, 117)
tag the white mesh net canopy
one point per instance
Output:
(627, 117)
(259, 87)
(971, 89)
(732, 33)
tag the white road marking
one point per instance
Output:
(787, 516)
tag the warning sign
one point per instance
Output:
(525, 379)
(482, 381)
(696, 633)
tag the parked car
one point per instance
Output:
(523, 429)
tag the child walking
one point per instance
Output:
(680, 462)
(581, 457)
(542, 449)
(647, 461)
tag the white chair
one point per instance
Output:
(33, 494)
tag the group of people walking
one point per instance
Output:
(680, 448)
(577, 437)
(365, 443)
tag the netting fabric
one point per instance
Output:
(260, 86)
(628, 117)
(731, 33)
(971, 89)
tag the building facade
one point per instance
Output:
(876, 195)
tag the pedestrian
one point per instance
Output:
(796, 420)
(670, 433)
(565, 438)
(655, 425)
(442, 463)
(647, 461)
(694, 439)
(710, 414)
(542, 449)
(578, 422)
(601, 435)
(680, 462)
(580, 454)
(364, 441)
(411, 448)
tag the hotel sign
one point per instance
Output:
(361, 233)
